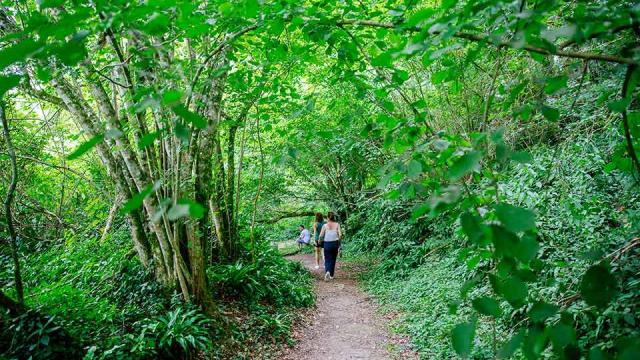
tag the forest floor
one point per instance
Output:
(345, 323)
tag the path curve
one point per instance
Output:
(345, 324)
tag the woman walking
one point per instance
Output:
(317, 227)
(331, 233)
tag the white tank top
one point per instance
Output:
(330, 235)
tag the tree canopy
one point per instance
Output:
(194, 130)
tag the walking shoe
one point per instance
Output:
(317, 267)
(327, 276)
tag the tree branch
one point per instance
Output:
(500, 44)
(287, 215)
(626, 94)
(215, 52)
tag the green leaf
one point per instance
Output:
(7, 83)
(400, 76)
(510, 347)
(184, 208)
(541, 311)
(225, 9)
(514, 291)
(383, 60)
(464, 165)
(522, 157)
(514, 218)
(414, 168)
(84, 147)
(197, 120)
(18, 52)
(562, 335)
(251, 8)
(619, 105)
(550, 113)
(171, 97)
(598, 286)
(487, 306)
(148, 139)
(137, 200)
(420, 210)
(527, 249)
(504, 241)
(462, 338)
(472, 227)
(554, 84)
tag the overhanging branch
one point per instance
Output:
(501, 44)
(287, 215)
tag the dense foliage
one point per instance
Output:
(482, 154)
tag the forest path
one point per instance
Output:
(344, 324)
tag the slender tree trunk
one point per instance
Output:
(7, 205)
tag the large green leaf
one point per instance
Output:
(185, 208)
(7, 83)
(504, 241)
(510, 347)
(514, 291)
(136, 201)
(550, 113)
(515, 218)
(462, 338)
(464, 165)
(414, 168)
(472, 227)
(554, 84)
(85, 146)
(598, 286)
(197, 120)
(541, 311)
(487, 306)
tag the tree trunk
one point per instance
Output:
(7, 205)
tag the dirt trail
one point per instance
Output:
(344, 325)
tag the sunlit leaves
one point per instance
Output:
(462, 338)
(598, 286)
(85, 146)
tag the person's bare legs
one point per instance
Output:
(318, 250)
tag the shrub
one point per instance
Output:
(270, 279)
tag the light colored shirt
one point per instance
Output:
(304, 236)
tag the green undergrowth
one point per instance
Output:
(584, 214)
(111, 308)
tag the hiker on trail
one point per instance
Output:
(303, 239)
(318, 243)
(331, 234)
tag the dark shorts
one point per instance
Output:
(317, 244)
